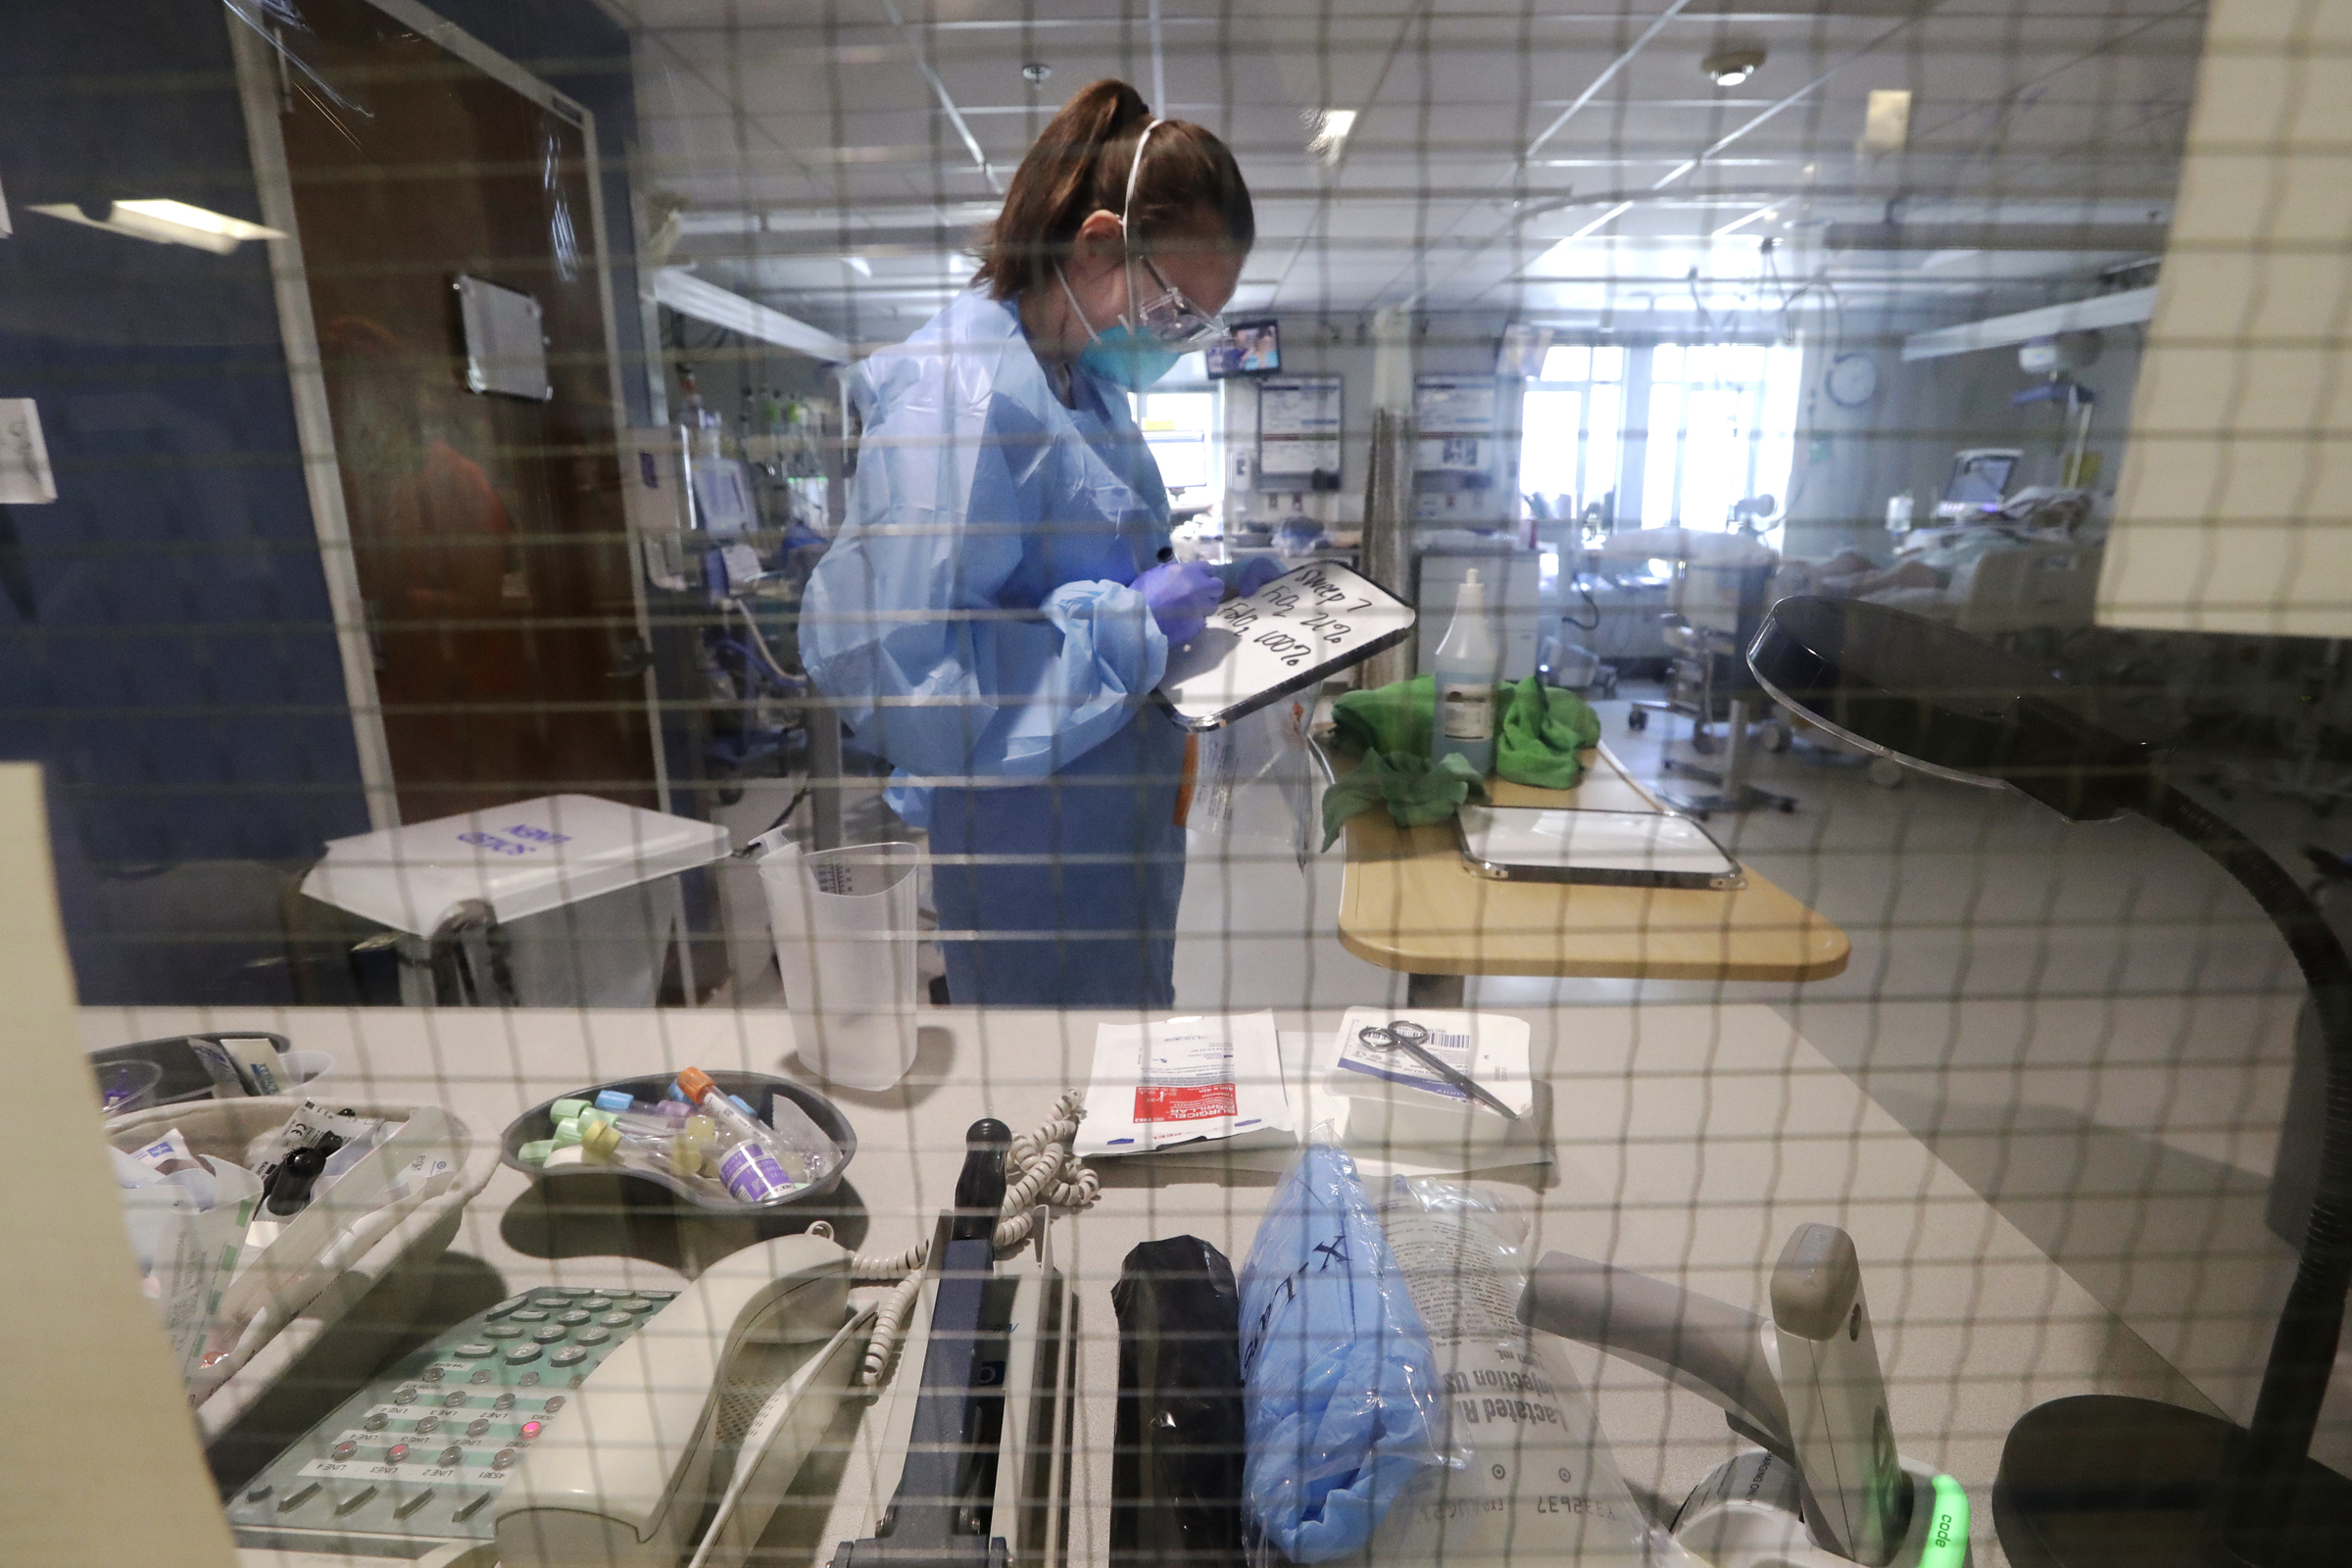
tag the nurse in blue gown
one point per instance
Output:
(997, 606)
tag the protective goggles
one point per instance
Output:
(1174, 322)
(1168, 318)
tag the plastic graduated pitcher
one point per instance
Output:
(844, 925)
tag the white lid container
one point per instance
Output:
(521, 859)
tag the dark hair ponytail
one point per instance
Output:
(1079, 165)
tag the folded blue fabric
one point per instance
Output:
(1339, 1390)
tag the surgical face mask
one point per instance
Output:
(1121, 356)
(1167, 325)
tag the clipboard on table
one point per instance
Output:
(1613, 848)
(1290, 634)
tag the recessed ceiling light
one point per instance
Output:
(1327, 131)
(1037, 73)
(1729, 68)
(168, 223)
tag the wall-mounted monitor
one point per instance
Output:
(1253, 349)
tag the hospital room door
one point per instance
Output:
(486, 529)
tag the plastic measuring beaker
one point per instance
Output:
(845, 927)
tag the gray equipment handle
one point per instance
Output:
(1711, 1348)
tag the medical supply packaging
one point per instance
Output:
(1528, 1475)
(1340, 1391)
(377, 1236)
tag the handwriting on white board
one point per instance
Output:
(1291, 616)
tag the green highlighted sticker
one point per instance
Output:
(1947, 1527)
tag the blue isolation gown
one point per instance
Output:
(974, 625)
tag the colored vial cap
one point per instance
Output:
(592, 1117)
(674, 1092)
(676, 1111)
(696, 1083)
(615, 1100)
(566, 1110)
(535, 1154)
(600, 1142)
(567, 1132)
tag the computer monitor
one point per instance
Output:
(1253, 349)
(1978, 482)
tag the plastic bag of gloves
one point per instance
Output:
(1527, 1474)
(1339, 1395)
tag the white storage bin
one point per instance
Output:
(567, 901)
(397, 1249)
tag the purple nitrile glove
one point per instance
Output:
(1255, 573)
(1181, 594)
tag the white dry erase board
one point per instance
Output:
(1299, 432)
(1621, 849)
(1287, 635)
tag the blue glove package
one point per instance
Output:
(1181, 594)
(1339, 1391)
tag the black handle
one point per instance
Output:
(980, 1185)
(290, 1193)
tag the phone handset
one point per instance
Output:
(621, 1480)
(1837, 1398)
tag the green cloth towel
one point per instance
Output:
(1415, 792)
(1541, 732)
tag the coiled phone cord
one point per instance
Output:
(1042, 1171)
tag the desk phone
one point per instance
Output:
(419, 1455)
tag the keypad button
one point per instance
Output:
(452, 1454)
(351, 1498)
(395, 1453)
(475, 1428)
(596, 1304)
(532, 1429)
(432, 1374)
(483, 1374)
(454, 1400)
(502, 1330)
(298, 1496)
(343, 1451)
(374, 1421)
(518, 1354)
(532, 1317)
(512, 1305)
(504, 1459)
(617, 1320)
(416, 1499)
(569, 1355)
(471, 1506)
(257, 1492)
(657, 1295)
(573, 1318)
(405, 1394)
(552, 1334)
(426, 1426)
(578, 1378)
(529, 1380)
(504, 1402)
(555, 1403)
(592, 1337)
(637, 1303)
(475, 1350)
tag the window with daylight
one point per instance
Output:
(1722, 428)
(1179, 421)
(1572, 429)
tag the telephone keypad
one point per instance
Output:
(390, 1467)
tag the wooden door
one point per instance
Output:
(487, 532)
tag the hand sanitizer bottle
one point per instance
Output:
(1468, 661)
